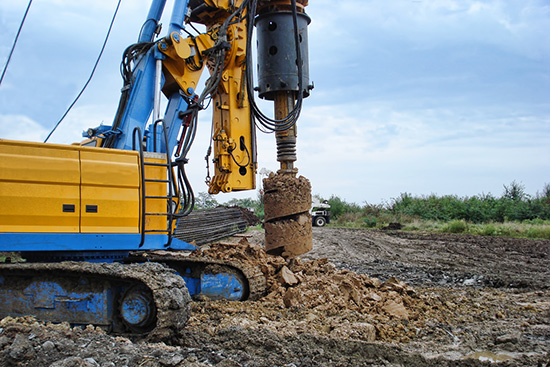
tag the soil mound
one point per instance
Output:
(318, 297)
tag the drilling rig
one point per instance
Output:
(95, 220)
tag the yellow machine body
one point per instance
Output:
(51, 188)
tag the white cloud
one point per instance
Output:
(517, 26)
(19, 127)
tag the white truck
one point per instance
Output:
(320, 214)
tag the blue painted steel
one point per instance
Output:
(222, 286)
(48, 300)
(140, 107)
(87, 242)
(136, 308)
(178, 16)
(155, 13)
(140, 102)
(141, 99)
(99, 130)
(193, 284)
(172, 121)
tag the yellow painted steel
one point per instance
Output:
(50, 188)
(36, 181)
(110, 182)
(233, 136)
(179, 75)
(235, 166)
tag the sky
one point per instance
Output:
(442, 97)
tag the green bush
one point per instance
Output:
(370, 222)
(513, 205)
(339, 207)
(488, 230)
(456, 226)
(514, 213)
(538, 232)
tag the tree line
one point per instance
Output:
(513, 205)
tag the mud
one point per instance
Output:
(287, 201)
(444, 260)
(360, 298)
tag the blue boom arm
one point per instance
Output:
(144, 79)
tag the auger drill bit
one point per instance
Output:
(284, 78)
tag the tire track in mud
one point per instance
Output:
(437, 259)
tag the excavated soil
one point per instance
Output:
(286, 195)
(360, 298)
(287, 201)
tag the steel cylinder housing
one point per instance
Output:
(277, 59)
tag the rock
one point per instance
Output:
(397, 285)
(91, 361)
(48, 346)
(292, 298)
(373, 282)
(4, 340)
(21, 349)
(73, 362)
(507, 338)
(228, 363)
(374, 296)
(287, 277)
(396, 309)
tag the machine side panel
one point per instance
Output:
(39, 188)
(110, 191)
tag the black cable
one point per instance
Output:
(217, 54)
(131, 56)
(190, 61)
(155, 32)
(15, 41)
(193, 27)
(91, 74)
(237, 163)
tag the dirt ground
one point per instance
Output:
(360, 298)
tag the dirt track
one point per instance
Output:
(465, 301)
(438, 259)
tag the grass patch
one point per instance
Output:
(13, 257)
(455, 226)
(535, 229)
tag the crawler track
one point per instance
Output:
(168, 290)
